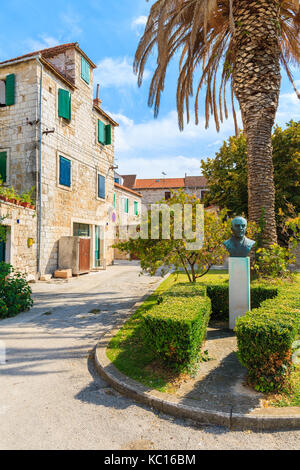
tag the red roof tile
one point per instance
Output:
(159, 183)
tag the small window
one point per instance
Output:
(3, 166)
(101, 187)
(104, 133)
(136, 208)
(64, 171)
(167, 195)
(64, 104)
(7, 90)
(85, 70)
(81, 230)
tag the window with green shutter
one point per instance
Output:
(101, 132)
(101, 187)
(136, 208)
(126, 205)
(64, 171)
(10, 89)
(108, 134)
(3, 166)
(64, 104)
(85, 70)
(104, 133)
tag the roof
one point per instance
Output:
(195, 181)
(103, 113)
(159, 183)
(123, 188)
(51, 51)
(129, 180)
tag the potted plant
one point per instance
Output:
(27, 198)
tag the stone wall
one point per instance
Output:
(21, 246)
(123, 219)
(151, 196)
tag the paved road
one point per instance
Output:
(51, 397)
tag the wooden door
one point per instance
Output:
(84, 254)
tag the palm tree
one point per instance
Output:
(240, 41)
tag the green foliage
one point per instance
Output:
(227, 174)
(15, 292)
(219, 296)
(265, 339)
(169, 253)
(176, 328)
(272, 262)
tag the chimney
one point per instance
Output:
(97, 102)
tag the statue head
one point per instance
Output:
(239, 227)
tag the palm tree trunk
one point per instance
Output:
(256, 83)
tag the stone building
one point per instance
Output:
(127, 210)
(154, 190)
(55, 137)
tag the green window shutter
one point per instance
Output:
(101, 132)
(114, 199)
(136, 208)
(108, 134)
(64, 104)
(10, 89)
(85, 70)
(64, 171)
(3, 165)
(126, 205)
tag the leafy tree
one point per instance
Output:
(227, 174)
(221, 41)
(167, 254)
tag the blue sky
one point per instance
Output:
(109, 33)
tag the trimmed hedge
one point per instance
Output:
(265, 337)
(186, 290)
(176, 328)
(219, 295)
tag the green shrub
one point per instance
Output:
(175, 328)
(15, 291)
(219, 295)
(265, 338)
(184, 289)
(3, 309)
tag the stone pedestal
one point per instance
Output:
(239, 288)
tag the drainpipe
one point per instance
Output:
(40, 171)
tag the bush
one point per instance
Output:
(176, 328)
(273, 262)
(265, 338)
(15, 293)
(3, 309)
(219, 295)
(186, 290)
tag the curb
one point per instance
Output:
(270, 419)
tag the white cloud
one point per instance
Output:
(42, 42)
(139, 22)
(72, 22)
(116, 72)
(174, 166)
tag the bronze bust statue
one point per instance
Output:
(239, 246)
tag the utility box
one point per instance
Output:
(75, 253)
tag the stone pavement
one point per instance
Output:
(51, 396)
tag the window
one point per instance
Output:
(3, 166)
(136, 208)
(114, 199)
(167, 195)
(85, 70)
(104, 133)
(64, 171)
(81, 230)
(126, 205)
(101, 187)
(7, 90)
(64, 104)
